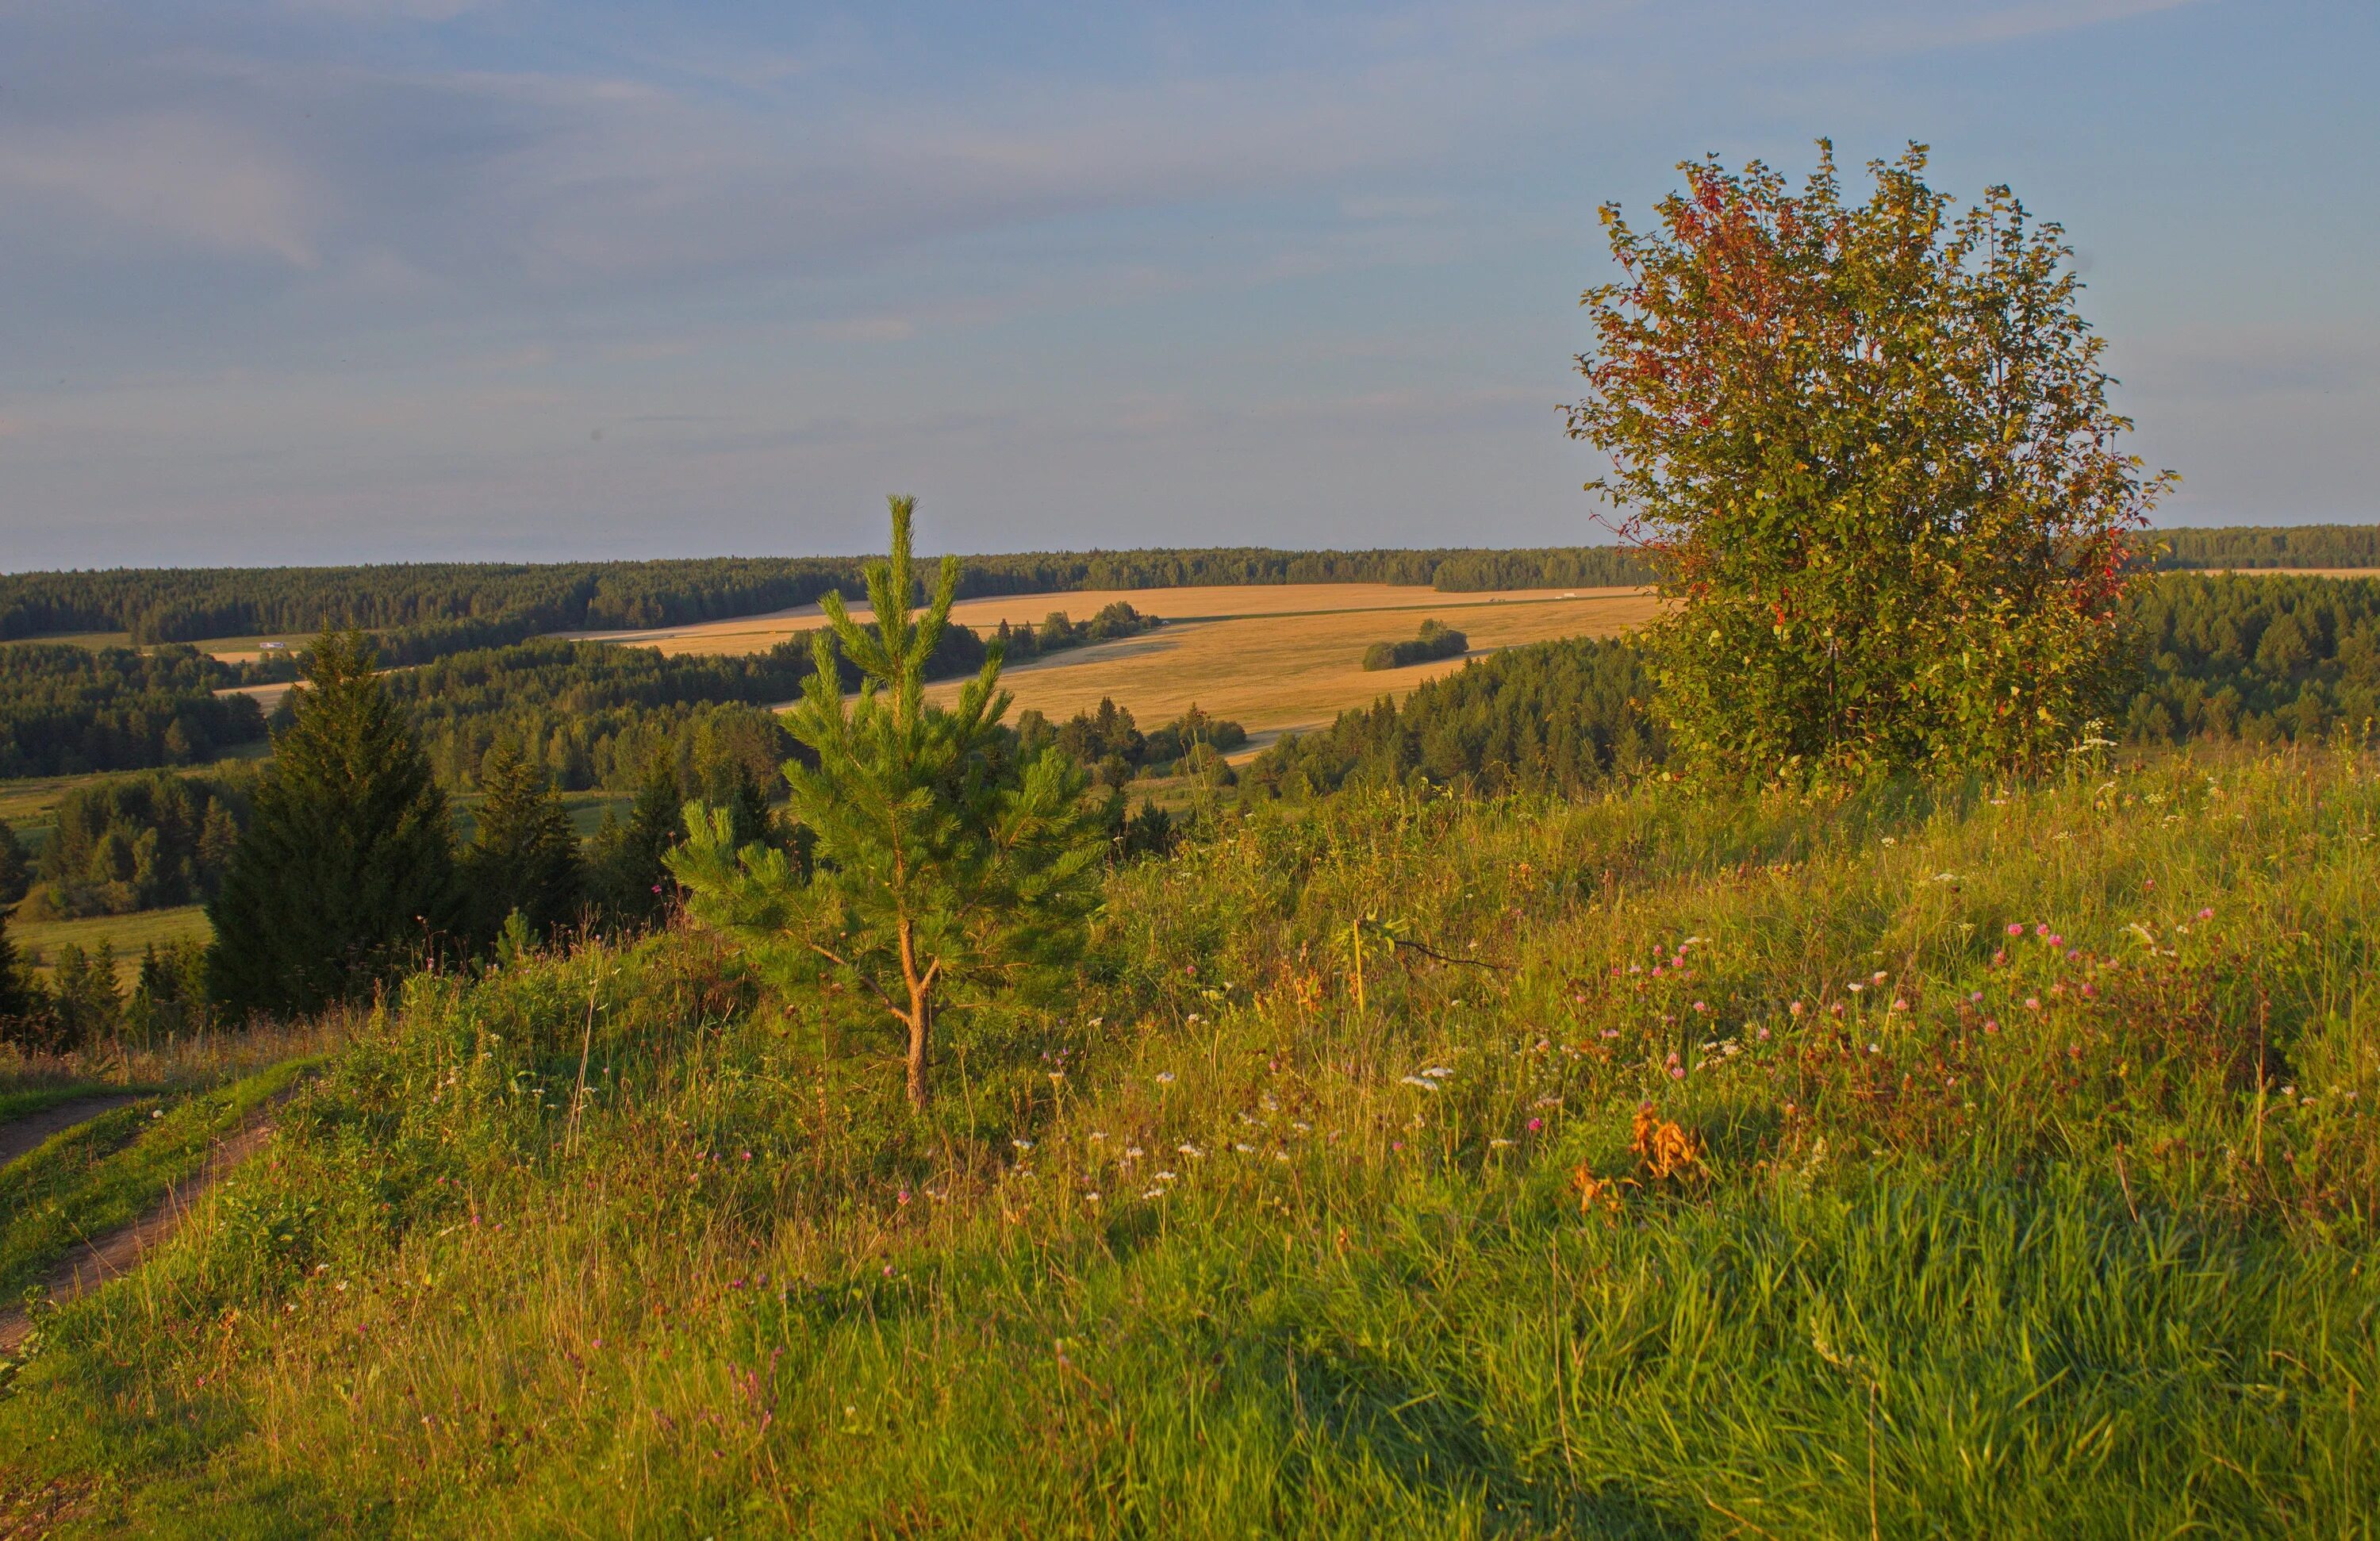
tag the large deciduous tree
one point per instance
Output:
(941, 859)
(1868, 451)
(346, 871)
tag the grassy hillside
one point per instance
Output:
(1962, 1161)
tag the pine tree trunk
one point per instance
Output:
(920, 1017)
(921, 1032)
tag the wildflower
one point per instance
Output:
(2016, 927)
(1166, 1177)
(1418, 1081)
(1700, 1007)
(1836, 1007)
(2056, 941)
(1794, 1010)
(1498, 1144)
(1677, 1073)
(1441, 1070)
(2033, 1002)
(1611, 1032)
(1133, 1153)
(1396, 1145)
(1875, 1048)
(901, 1197)
(1900, 1005)
(1300, 1126)
(1022, 1145)
(1165, 1078)
(1976, 997)
(1764, 1034)
(2041, 928)
(888, 1273)
(1092, 1198)
(1188, 1150)
(2207, 915)
(1536, 1124)
(1098, 1133)
(1991, 1024)
(1855, 986)
(747, 1154)
(1243, 1149)
(1877, 978)
(1153, 1193)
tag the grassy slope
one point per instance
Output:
(1199, 1256)
(112, 1170)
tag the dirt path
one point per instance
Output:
(24, 1134)
(120, 1251)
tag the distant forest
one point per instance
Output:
(2287, 546)
(65, 710)
(423, 611)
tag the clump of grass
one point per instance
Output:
(2051, 1233)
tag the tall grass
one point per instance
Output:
(1688, 1168)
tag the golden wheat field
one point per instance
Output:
(1272, 657)
(1278, 673)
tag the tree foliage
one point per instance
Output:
(944, 861)
(1561, 717)
(65, 710)
(1869, 450)
(523, 858)
(135, 843)
(346, 871)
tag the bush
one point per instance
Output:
(1436, 641)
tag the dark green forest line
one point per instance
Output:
(2280, 546)
(65, 710)
(424, 609)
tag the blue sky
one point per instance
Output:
(340, 280)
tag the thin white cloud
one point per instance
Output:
(180, 176)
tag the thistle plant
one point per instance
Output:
(944, 861)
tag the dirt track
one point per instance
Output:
(119, 1251)
(24, 1134)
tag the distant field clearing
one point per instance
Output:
(753, 633)
(1278, 673)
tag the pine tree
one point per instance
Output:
(16, 866)
(524, 854)
(346, 872)
(943, 859)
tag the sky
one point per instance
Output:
(378, 280)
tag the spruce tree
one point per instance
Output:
(943, 860)
(16, 999)
(16, 866)
(524, 854)
(346, 872)
(631, 879)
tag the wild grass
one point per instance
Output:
(1687, 1169)
(113, 1169)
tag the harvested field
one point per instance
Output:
(1279, 673)
(752, 633)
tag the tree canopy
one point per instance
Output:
(1869, 450)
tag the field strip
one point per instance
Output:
(747, 633)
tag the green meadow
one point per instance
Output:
(1950, 1159)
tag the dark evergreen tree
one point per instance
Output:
(16, 866)
(346, 872)
(524, 854)
(632, 885)
(19, 1002)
